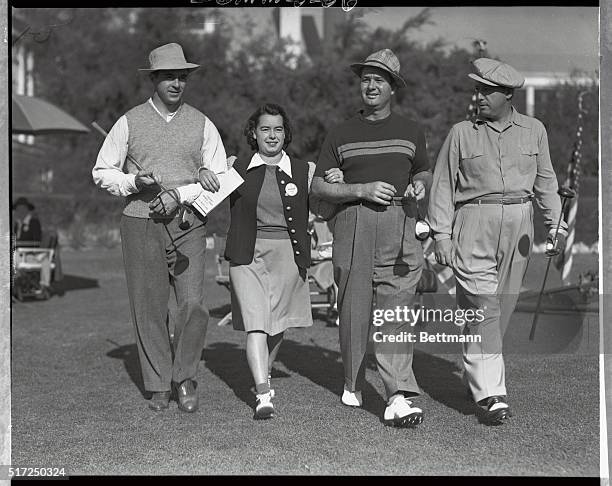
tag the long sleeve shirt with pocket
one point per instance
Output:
(478, 159)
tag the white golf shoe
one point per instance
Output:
(270, 385)
(352, 399)
(264, 408)
(401, 413)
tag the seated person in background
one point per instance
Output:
(322, 270)
(28, 233)
(26, 226)
(322, 237)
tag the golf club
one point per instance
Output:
(565, 193)
(184, 224)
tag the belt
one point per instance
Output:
(396, 201)
(497, 200)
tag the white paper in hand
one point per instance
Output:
(207, 201)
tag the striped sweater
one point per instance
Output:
(389, 150)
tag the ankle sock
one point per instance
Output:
(262, 388)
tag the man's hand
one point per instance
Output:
(208, 180)
(334, 176)
(165, 202)
(553, 247)
(378, 192)
(445, 252)
(144, 178)
(415, 190)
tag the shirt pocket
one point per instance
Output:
(528, 152)
(471, 155)
(470, 149)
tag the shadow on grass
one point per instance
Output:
(436, 376)
(129, 354)
(439, 378)
(221, 311)
(73, 282)
(324, 367)
(228, 362)
(319, 365)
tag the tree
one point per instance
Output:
(89, 68)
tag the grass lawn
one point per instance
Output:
(77, 397)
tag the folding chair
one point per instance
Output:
(35, 266)
(322, 288)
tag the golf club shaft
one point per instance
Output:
(537, 310)
(559, 220)
(132, 159)
(139, 167)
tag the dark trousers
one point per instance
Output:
(159, 256)
(377, 264)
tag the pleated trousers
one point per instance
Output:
(159, 257)
(492, 245)
(377, 265)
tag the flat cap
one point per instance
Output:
(496, 73)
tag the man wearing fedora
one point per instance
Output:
(376, 257)
(26, 226)
(167, 143)
(481, 214)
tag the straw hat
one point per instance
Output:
(384, 59)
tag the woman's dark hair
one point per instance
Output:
(267, 109)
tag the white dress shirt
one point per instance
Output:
(108, 170)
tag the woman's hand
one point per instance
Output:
(415, 190)
(334, 176)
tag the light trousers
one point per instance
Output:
(492, 247)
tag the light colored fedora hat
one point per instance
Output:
(384, 59)
(168, 57)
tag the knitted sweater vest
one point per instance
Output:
(172, 149)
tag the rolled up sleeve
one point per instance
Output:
(108, 170)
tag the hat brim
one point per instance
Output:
(475, 77)
(358, 67)
(177, 67)
(30, 206)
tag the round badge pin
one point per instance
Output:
(291, 189)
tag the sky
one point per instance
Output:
(532, 39)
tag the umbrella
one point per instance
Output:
(35, 116)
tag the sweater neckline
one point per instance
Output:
(172, 115)
(374, 122)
